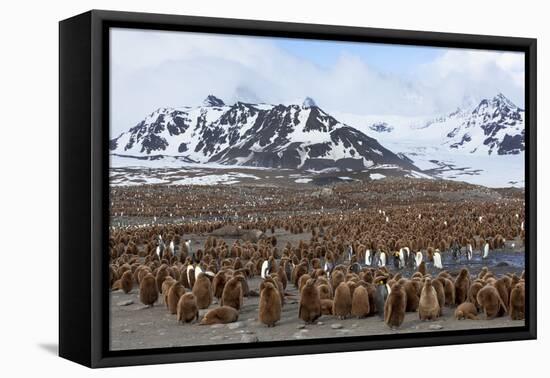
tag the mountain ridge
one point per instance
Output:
(274, 136)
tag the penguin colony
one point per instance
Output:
(354, 261)
(218, 282)
(218, 203)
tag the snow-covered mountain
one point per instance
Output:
(482, 141)
(495, 126)
(491, 126)
(259, 135)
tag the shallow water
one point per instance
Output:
(515, 258)
(499, 262)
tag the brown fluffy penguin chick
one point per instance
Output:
(489, 301)
(412, 295)
(136, 273)
(302, 281)
(352, 285)
(113, 275)
(270, 305)
(466, 310)
(326, 306)
(336, 278)
(517, 302)
(394, 308)
(187, 308)
(502, 289)
(462, 285)
(371, 290)
(422, 268)
(148, 292)
(142, 273)
(220, 315)
(278, 285)
(203, 291)
(173, 297)
(126, 282)
(430, 254)
(244, 283)
(166, 285)
(342, 301)
(310, 302)
(162, 273)
(482, 272)
(324, 292)
(233, 294)
(450, 291)
(298, 271)
(428, 307)
(282, 276)
(475, 287)
(218, 284)
(440, 291)
(360, 306)
(123, 268)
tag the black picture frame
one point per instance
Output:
(83, 182)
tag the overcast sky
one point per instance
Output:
(152, 69)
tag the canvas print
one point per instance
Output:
(266, 189)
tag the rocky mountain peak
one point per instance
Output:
(212, 100)
(494, 125)
(259, 135)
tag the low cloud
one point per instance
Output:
(459, 73)
(167, 69)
